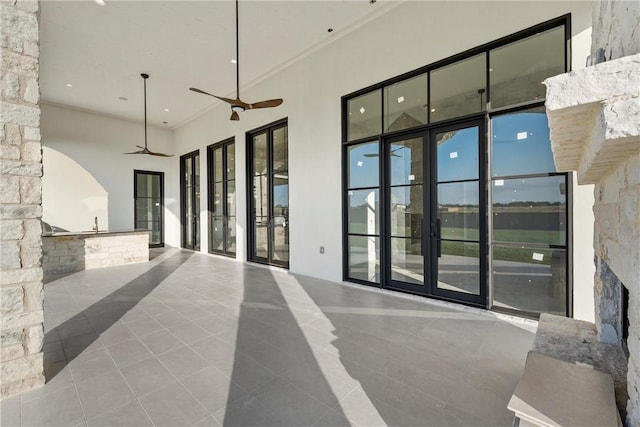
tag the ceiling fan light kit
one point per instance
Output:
(237, 105)
(145, 150)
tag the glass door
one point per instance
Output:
(222, 198)
(406, 156)
(269, 200)
(148, 195)
(190, 200)
(457, 213)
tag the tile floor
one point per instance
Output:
(189, 339)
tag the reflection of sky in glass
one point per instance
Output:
(537, 190)
(281, 195)
(363, 165)
(458, 156)
(521, 144)
(458, 193)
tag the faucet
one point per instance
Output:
(95, 227)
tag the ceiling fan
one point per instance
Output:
(237, 105)
(145, 150)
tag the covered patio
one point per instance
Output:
(193, 339)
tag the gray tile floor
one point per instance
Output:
(189, 339)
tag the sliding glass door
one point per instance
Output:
(268, 169)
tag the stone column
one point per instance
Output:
(21, 286)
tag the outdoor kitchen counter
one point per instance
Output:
(67, 252)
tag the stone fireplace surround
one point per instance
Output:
(594, 117)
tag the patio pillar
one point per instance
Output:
(21, 286)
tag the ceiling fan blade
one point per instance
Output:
(265, 104)
(235, 116)
(221, 98)
(159, 154)
(137, 152)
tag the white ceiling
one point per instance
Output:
(101, 50)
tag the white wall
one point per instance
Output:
(409, 36)
(86, 173)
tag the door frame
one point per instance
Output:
(223, 145)
(137, 172)
(429, 231)
(472, 299)
(251, 238)
(195, 224)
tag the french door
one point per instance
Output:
(190, 200)
(222, 198)
(434, 216)
(268, 168)
(148, 195)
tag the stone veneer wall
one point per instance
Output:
(21, 288)
(69, 253)
(617, 251)
(594, 116)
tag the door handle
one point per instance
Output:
(438, 238)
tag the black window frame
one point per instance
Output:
(486, 116)
(183, 224)
(224, 146)
(137, 172)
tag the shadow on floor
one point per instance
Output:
(80, 331)
(286, 386)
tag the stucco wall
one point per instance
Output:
(409, 36)
(86, 173)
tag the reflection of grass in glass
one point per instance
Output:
(500, 253)
(525, 236)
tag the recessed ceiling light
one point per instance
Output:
(166, 110)
(433, 110)
(100, 2)
(400, 99)
(362, 110)
(123, 98)
(69, 85)
(165, 122)
(490, 69)
(329, 30)
(233, 61)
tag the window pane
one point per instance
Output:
(459, 89)
(406, 161)
(217, 164)
(217, 235)
(217, 199)
(280, 149)
(364, 258)
(261, 233)
(148, 185)
(260, 154)
(530, 279)
(459, 267)
(363, 163)
(406, 104)
(458, 210)
(231, 198)
(281, 238)
(364, 116)
(530, 210)
(364, 206)
(406, 211)
(260, 199)
(407, 262)
(231, 161)
(518, 69)
(521, 143)
(231, 234)
(458, 154)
